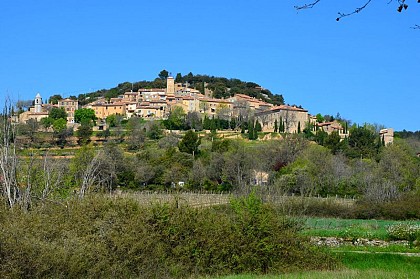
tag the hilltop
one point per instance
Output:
(218, 87)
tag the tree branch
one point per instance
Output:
(401, 7)
(356, 11)
(307, 6)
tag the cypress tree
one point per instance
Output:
(298, 128)
(257, 129)
(275, 126)
(251, 130)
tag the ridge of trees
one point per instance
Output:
(222, 87)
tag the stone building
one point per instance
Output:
(70, 106)
(36, 112)
(292, 118)
(387, 135)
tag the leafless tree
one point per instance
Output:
(8, 158)
(53, 173)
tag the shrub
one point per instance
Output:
(404, 231)
(118, 238)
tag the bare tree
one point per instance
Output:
(53, 173)
(93, 169)
(8, 158)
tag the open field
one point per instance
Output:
(355, 266)
(350, 228)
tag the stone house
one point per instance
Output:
(292, 117)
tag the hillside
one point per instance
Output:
(220, 86)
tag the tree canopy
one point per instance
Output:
(84, 115)
(57, 113)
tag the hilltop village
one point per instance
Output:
(158, 103)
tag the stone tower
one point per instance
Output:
(38, 103)
(170, 85)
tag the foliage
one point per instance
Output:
(404, 231)
(136, 133)
(54, 99)
(189, 143)
(221, 87)
(154, 130)
(102, 238)
(84, 132)
(84, 115)
(176, 119)
(163, 75)
(114, 120)
(361, 143)
(57, 113)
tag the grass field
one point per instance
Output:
(357, 261)
(356, 266)
(349, 228)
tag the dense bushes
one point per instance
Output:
(104, 238)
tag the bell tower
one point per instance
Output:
(38, 103)
(170, 85)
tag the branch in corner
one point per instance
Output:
(307, 6)
(356, 11)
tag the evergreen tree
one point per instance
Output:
(213, 125)
(275, 126)
(178, 78)
(251, 130)
(189, 143)
(298, 128)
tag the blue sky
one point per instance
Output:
(366, 67)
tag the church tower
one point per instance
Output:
(170, 85)
(38, 103)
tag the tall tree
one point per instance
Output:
(54, 99)
(57, 113)
(8, 158)
(189, 143)
(84, 115)
(178, 78)
(361, 143)
(163, 75)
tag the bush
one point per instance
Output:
(407, 231)
(118, 238)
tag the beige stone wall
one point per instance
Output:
(105, 110)
(25, 116)
(291, 119)
(170, 85)
(387, 135)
